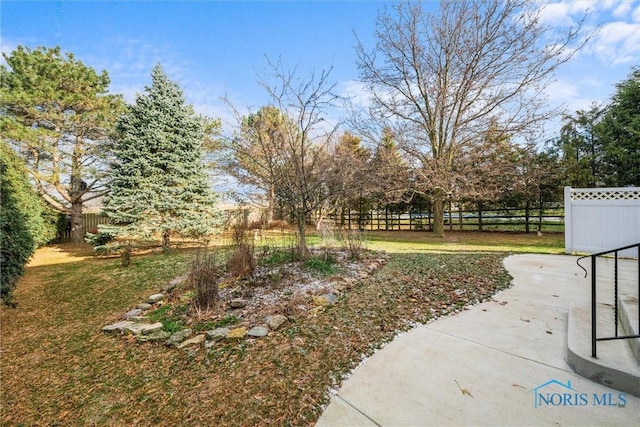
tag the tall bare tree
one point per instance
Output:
(302, 172)
(439, 79)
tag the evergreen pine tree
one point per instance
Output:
(159, 185)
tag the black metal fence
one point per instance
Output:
(544, 218)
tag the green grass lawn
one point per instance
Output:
(456, 241)
(58, 368)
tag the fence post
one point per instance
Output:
(386, 218)
(541, 213)
(568, 238)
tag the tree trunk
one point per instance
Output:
(271, 207)
(438, 214)
(540, 214)
(319, 218)
(166, 239)
(302, 237)
(77, 234)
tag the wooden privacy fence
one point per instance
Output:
(548, 217)
(90, 224)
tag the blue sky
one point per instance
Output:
(217, 48)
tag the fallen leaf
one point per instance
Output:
(464, 391)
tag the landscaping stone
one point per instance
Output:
(258, 332)
(134, 328)
(154, 336)
(178, 337)
(320, 301)
(236, 334)
(155, 298)
(143, 328)
(237, 303)
(275, 321)
(331, 298)
(151, 327)
(118, 327)
(144, 306)
(132, 313)
(197, 340)
(175, 283)
(325, 299)
(217, 334)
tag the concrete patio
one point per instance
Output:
(502, 362)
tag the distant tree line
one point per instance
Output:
(456, 98)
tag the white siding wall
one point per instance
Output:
(600, 219)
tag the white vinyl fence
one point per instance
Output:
(601, 219)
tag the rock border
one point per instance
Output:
(134, 323)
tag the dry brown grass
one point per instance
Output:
(58, 368)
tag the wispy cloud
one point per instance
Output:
(617, 43)
(635, 15)
(566, 13)
(622, 10)
(354, 91)
(129, 62)
(574, 95)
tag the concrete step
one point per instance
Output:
(616, 365)
(630, 322)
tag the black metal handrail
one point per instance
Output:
(594, 337)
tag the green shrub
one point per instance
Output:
(320, 266)
(225, 321)
(101, 238)
(278, 257)
(22, 221)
